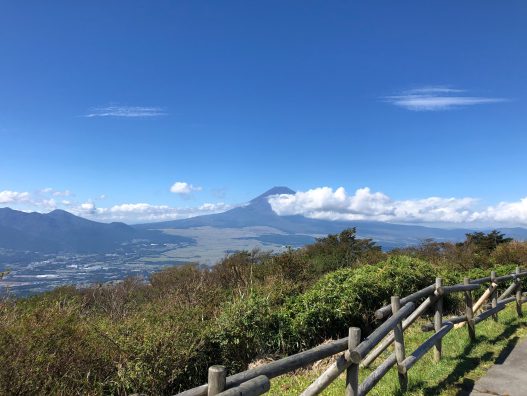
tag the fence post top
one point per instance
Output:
(354, 336)
(217, 368)
(354, 330)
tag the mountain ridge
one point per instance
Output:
(62, 231)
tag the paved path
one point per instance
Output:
(506, 378)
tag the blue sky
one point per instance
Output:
(105, 104)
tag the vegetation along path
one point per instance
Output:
(461, 371)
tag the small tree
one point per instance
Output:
(341, 250)
(486, 243)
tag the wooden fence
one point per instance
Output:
(400, 314)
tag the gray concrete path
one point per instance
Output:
(506, 378)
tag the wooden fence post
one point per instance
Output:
(399, 346)
(217, 380)
(352, 372)
(438, 320)
(494, 295)
(471, 326)
(518, 293)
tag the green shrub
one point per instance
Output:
(247, 328)
(349, 297)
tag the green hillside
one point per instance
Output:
(160, 336)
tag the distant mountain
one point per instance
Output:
(258, 212)
(61, 231)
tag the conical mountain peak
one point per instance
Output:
(273, 191)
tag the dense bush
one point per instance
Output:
(350, 296)
(510, 253)
(247, 328)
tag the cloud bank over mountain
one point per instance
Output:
(326, 203)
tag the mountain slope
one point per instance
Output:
(256, 213)
(61, 231)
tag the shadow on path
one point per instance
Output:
(468, 364)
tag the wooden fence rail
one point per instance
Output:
(254, 387)
(401, 313)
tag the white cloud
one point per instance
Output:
(184, 188)
(144, 212)
(13, 197)
(126, 111)
(214, 207)
(65, 193)
(513, 213)
(87, 208)
(329, 204)
(55, 193)
(44, 200)
(48, 204)
(437, 98)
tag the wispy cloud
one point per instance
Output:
(55, 193)
(437, 98)
(126, 112)
(433, 90)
